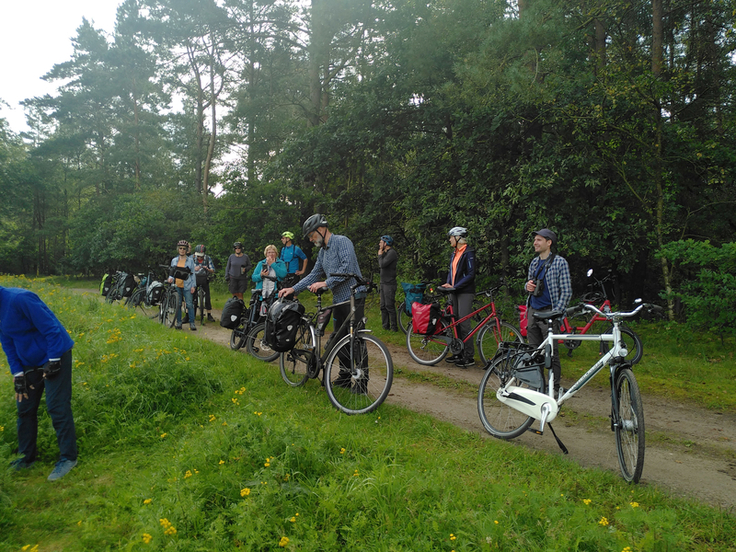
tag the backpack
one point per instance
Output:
(231, 313)
(154, 293)
(202, 275)
(424, 318)
(414, 294)
(282, 324)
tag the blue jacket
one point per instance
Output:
(30, 333)
(279, 267)
(465, 281)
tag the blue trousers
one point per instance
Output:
(59, 406)
(185, 295)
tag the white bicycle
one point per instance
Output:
(512, 392)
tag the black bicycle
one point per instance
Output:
(251, 328)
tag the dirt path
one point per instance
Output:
(690, 451)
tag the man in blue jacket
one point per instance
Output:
(39, 352)
(461, 278)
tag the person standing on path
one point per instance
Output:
(550, 288)
(39, 352)
(387, 261)
(293, 256)
(237, 271)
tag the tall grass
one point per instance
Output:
(186, 445)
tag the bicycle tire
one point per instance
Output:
(403, 316)
(199, 305)
(363, 387)
(257, 347)
(294, 365)
(172, 306)
(488, 339)
(629, 430)
(499, 419)
(136, 298)
(426, 350)
(632, 342)
(238, 336)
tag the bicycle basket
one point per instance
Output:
(414, 294)
(522, 361)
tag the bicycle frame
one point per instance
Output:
(454, 325)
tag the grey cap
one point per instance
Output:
(547, 234)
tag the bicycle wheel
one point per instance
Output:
(364, 386)
(295, 364)
(238, 335)
(631, 341)
(499, 419)
(257, 347)
(427, 350)
(630, 426)
(136, 299)
(404, 317)
(491, 336)
(172, 306)
(199, 305)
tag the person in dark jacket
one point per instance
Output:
(461, 279)
(39, 352)
(237, 271)
(387, 261)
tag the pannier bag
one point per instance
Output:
(231, 313)
(522, 319)
(179, 272)
(282, 324)
(154, 293)
(128, 285)
(106, 284)
(201, 277)
(526, 361)
(290, 280)
(414, 294)
(425, 318)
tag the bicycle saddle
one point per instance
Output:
(444, 289)
(549, 314)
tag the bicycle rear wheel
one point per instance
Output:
(403, 317)
(426, 349)
(629, 426)
(499, 419)
(170, 308)
(238, 335)
(136, 299)
(630, 340)
(295, 365)
(358, 383)
(257, 347)
(491, 336)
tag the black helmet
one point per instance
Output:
(312, 223)
(238, 245)
(200, 249)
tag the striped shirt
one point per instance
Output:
(339, 257)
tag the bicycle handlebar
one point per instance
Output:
(611, 315)
(359, 279)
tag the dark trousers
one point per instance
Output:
(207, 299)
(388, 307)
(536, 332)
(462, 305)
(59, 406)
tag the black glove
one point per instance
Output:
(20, 384)
(51, 369)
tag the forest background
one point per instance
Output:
(609, 121)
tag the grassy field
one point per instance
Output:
(186, 445)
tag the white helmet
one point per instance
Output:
(458, 232)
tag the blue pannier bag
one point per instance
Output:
(414, 294)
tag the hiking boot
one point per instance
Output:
(465, 363)
(177, 327)
(62, 468)
(210, 318)
(193, 328)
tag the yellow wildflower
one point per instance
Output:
(283, 542)
(164, 435)
(587, 501)
(634, 504)
(244, 492)
(146, 538)
(148, 501)
(603, 521)
(222, 462)
(452, 536)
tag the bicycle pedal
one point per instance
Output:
(535, 431)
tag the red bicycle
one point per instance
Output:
(629, 339)
(489, 333)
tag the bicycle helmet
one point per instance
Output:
(458, 232)
(289, 235)
(238, 245)
(183, 243)
(388, 240)
(201, 249)
(312, 223)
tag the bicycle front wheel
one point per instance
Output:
(402, 315)
(499, 419)
(237, 337)
(257, 347)
(136, 299)
(630, 426)
(629, 340)
(492, 335)
(358, 383)
(295, 365)
(170, 309)
(426, 349)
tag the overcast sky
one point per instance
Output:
(35, 35)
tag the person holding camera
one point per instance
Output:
(461, 279)
(387, 261)
(237, 271)
(550, 288)
(39, 352)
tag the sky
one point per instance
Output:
(35, 35)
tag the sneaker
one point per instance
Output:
(465, 363)
(193, 328)
(360, 388)
(177, 327)
(62, 468)
(21, 464)
(452, 359)
(210, 318)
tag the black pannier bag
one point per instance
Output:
(107, 281)
(128, 285)
(231, 313)
(154, 293)
(282, 324)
